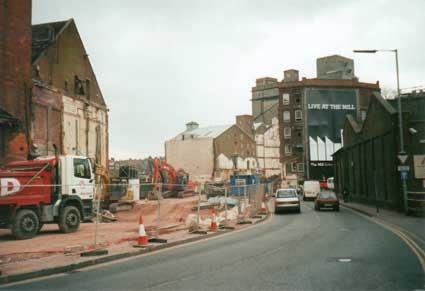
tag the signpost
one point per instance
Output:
(402, 158)
(403, 168)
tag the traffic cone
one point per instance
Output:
(214, 226)
(142, 240)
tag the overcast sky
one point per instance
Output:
(161, 64)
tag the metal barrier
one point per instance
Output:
(416, 201)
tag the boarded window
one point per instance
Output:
(285, 98)
(298, 115)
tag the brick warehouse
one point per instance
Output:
(311, 113)
(366, 167)
(63, 105)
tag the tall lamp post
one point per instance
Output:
(400, 119)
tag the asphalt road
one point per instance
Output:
(307, 251)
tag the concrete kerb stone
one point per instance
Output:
(6, 279)
(357, 209)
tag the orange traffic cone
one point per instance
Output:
(214, 226)
(142, 240)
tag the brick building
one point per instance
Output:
(311, 114)
(15, 78)
(207, 153)
(55, 98)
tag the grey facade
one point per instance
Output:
(335, 67)
(265, 97)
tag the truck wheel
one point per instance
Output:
(25, 225)
(69, 219)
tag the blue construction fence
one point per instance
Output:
(241, 185)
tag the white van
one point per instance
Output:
(311, 189)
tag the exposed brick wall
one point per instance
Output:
(235, 141)
(15, 72)
(64, 60)
(47, 120)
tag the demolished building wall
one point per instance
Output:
(15, 78)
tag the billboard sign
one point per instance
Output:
(326, 111)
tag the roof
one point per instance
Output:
(353, 123)
(43, 35)
(334, 57)
(384, 103)
(204, 132)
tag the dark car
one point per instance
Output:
(326, 199)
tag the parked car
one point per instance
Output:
(287, 199)
(311, 189)
(331, 184)
(326, 199)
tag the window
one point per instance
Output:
(286, 193)
(286, 132)
(299, 132)
(300, 167)
(78, 86)
(82, 168)
(288, 149)
(286, 116)
(285, 98)
(293, 167)
(298, 115)
(287, 168)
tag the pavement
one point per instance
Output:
(51, 242)
(309, 251)
(412, 226)
(53, 252)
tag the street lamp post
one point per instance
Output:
(400, 118)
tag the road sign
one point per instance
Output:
(402, 158)
(403, 175)
(403, 168)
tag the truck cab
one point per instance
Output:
(46, 190)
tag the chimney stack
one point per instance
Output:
(291, 76)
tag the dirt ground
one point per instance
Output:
(50, 241)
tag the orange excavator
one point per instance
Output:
(174, 183)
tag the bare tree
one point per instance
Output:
(388, 93)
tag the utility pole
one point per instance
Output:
(400, 119)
